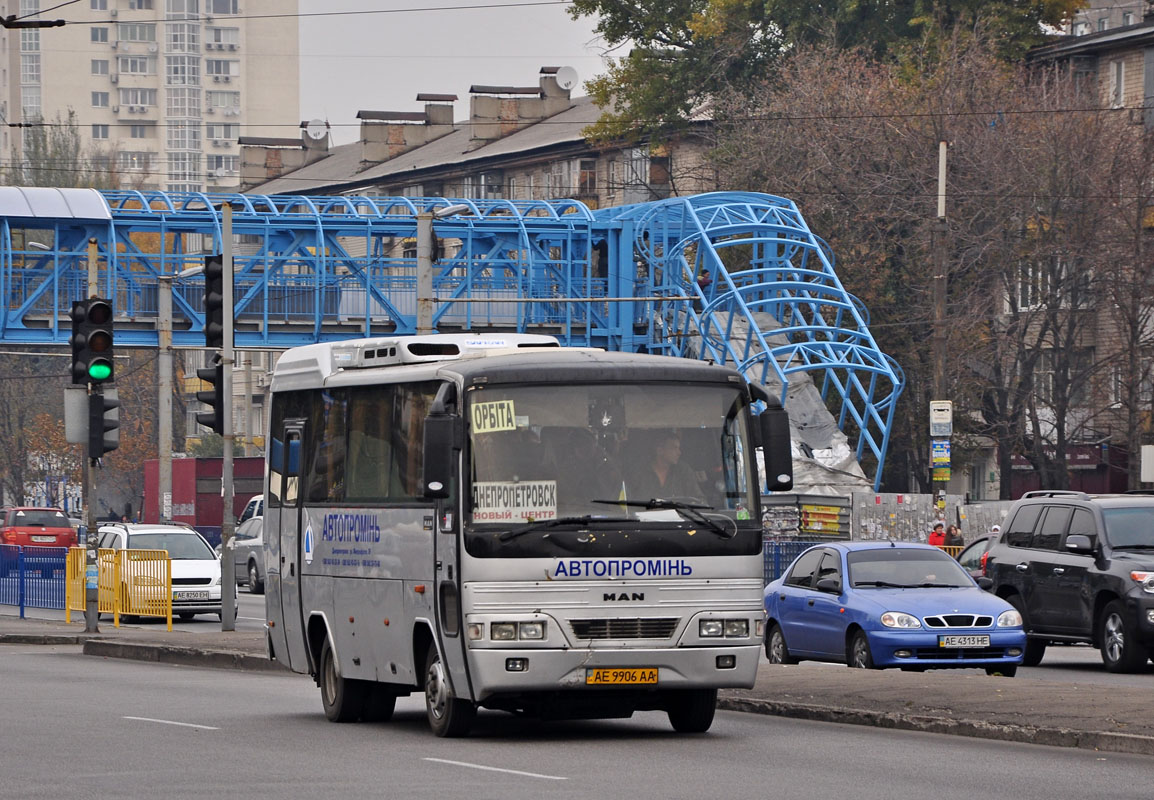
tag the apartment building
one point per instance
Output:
(162, 89)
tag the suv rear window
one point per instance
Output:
(36, 516)
(1053, 526)
(1021, 529)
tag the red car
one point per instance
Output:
(38, 527)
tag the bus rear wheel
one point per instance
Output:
(343, 698)
(692, 710)
(449, 716)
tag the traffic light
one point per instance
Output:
(103, 423)
(214, 301)
(91, 341)
(213, 376)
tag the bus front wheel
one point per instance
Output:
(691, 710)
(449, 716)
(342, 698)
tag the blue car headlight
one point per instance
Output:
(1010, 619)
(900, 619)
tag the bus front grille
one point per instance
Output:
(625, 628)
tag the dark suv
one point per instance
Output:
(1080, 568)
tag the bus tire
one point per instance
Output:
(449, 716)
(343, 698)
(692, 710)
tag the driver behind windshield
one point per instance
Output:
(663, 474)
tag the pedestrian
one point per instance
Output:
(938, 534)
(995, 530)
(954, 537)
(704, 279)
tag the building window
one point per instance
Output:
(222, 38)
(587, 177)
(182, 71)
(136, 32)
(1081, 28)
(184, 168)
(29, 41)
(222, 100)
(99, 131)
(135, 162)
(100, 99)
(30, 68)
(136, 65)
(182, 37)
(98, 5)
(183, 136)
(99, 66)
(183, 102)
(1117, 83)
(1103, 23)
(218, 67)
(221, 165)
(182, 9)
(221, 132)
(30, 101)
(98, 35)
(137, 97)
(220, 6)
(1127, 18)
(141, 4)
(138, 131)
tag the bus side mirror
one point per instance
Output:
(773, 425)
(441, 447)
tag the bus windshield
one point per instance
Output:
(542, 453)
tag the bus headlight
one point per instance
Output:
(737, 628)
(710, 628)
(532, 630)
(503, 631)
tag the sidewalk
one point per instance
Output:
(1063, 714)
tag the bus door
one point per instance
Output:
(450, 624)
(295, 551)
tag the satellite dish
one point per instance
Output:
(316, 129)
(219, 172)
(567, 78)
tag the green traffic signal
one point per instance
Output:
(99, 370)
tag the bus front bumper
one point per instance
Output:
(499, 671)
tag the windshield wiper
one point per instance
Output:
(1120, 546)
(691, 511)
(938, 586)
(883, 585)
(529, 527)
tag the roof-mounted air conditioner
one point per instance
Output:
(114, 78)
(232, 46)
(216, 79)
(210, 110)
(226, 78)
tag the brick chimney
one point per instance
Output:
(263, 158)
(497, 111)
(387, 134)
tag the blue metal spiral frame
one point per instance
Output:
(325, 268)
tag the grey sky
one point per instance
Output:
(380, 62)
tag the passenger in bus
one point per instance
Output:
(664, 475)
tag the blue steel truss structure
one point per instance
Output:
(311, 269)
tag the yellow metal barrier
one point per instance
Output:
(129, 582)
(952, 549)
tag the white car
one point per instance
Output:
(195, 567)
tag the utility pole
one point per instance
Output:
(939, 406)
(91, 537)
(424, 272)
(228, 521)
(164, 332)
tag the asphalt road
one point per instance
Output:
(77, 726)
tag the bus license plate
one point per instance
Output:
(964, 641)
(616, 676)
(192, 595)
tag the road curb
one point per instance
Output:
(1053, 737)
(41, 638)
(188, 656)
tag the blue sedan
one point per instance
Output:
(886, 604)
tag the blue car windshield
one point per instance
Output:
(905, 568)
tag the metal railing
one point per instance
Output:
(134, 583)
(28, 576)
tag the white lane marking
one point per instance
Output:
(497, 769)
(170, 722)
